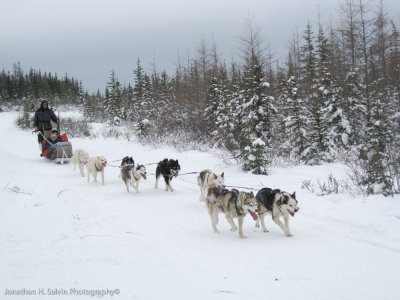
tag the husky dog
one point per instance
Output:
(80, 158)
(95, 165)
(168, 169)
(233, 204)
(207, 179)
(278, 204)
(127, 161)
(131, 175)
(127, 164)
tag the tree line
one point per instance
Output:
(336, 97)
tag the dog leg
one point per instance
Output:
(263, 223)
(168, 187)
(88, 176)
(282, 226)
(127, 185)
(214, 220)
(136, 186)
(156, 182)
(81, 168)
(102, 177)
(286, 219)
(232, 223)
(242, 236)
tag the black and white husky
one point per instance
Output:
(278, 204)
(168, 169)
(207, 179)
(130, 174)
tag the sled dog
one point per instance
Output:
(278, 204)
(80, 158)
(127, 161)
(96, 165)
(207, 179)
(233, 204)
(168, 169)
(130, 174)
(127, 164)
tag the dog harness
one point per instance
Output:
(236, 204)
(223, 191)
(95, 165)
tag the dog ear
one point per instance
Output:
(293, 195)
(252, 194)
(176, 161)
(222, 175)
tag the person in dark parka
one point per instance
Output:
(42, 123)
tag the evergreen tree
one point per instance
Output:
(316, 138)
(355, 107)
(114, 100)
(255, 111)
(294, 119)
(142, 101)
(334, 120)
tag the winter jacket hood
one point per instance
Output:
(41, 105)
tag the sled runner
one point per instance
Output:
(64, 152)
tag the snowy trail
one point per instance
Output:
(58, 231)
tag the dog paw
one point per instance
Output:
(265, 230)
(243, 237)
(289, 234)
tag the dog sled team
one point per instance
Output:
(233, 204)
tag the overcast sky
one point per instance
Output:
(89, 38)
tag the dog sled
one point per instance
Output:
(60, 151)
(64, 152)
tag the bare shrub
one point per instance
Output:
(308, 185)
(76, 127)
(330, 186)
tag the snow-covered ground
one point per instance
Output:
(60, 233)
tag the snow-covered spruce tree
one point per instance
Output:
(214, 100)
(393, 149)
(255, 114)
(216, 112)
(25, 120)
(88, 109)
(113, 100)
(355, 107)
(142, 100)
(294, 122)
(378, 137)
(315, 143)
(334, 120)
(228, 121)
(165, 107)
